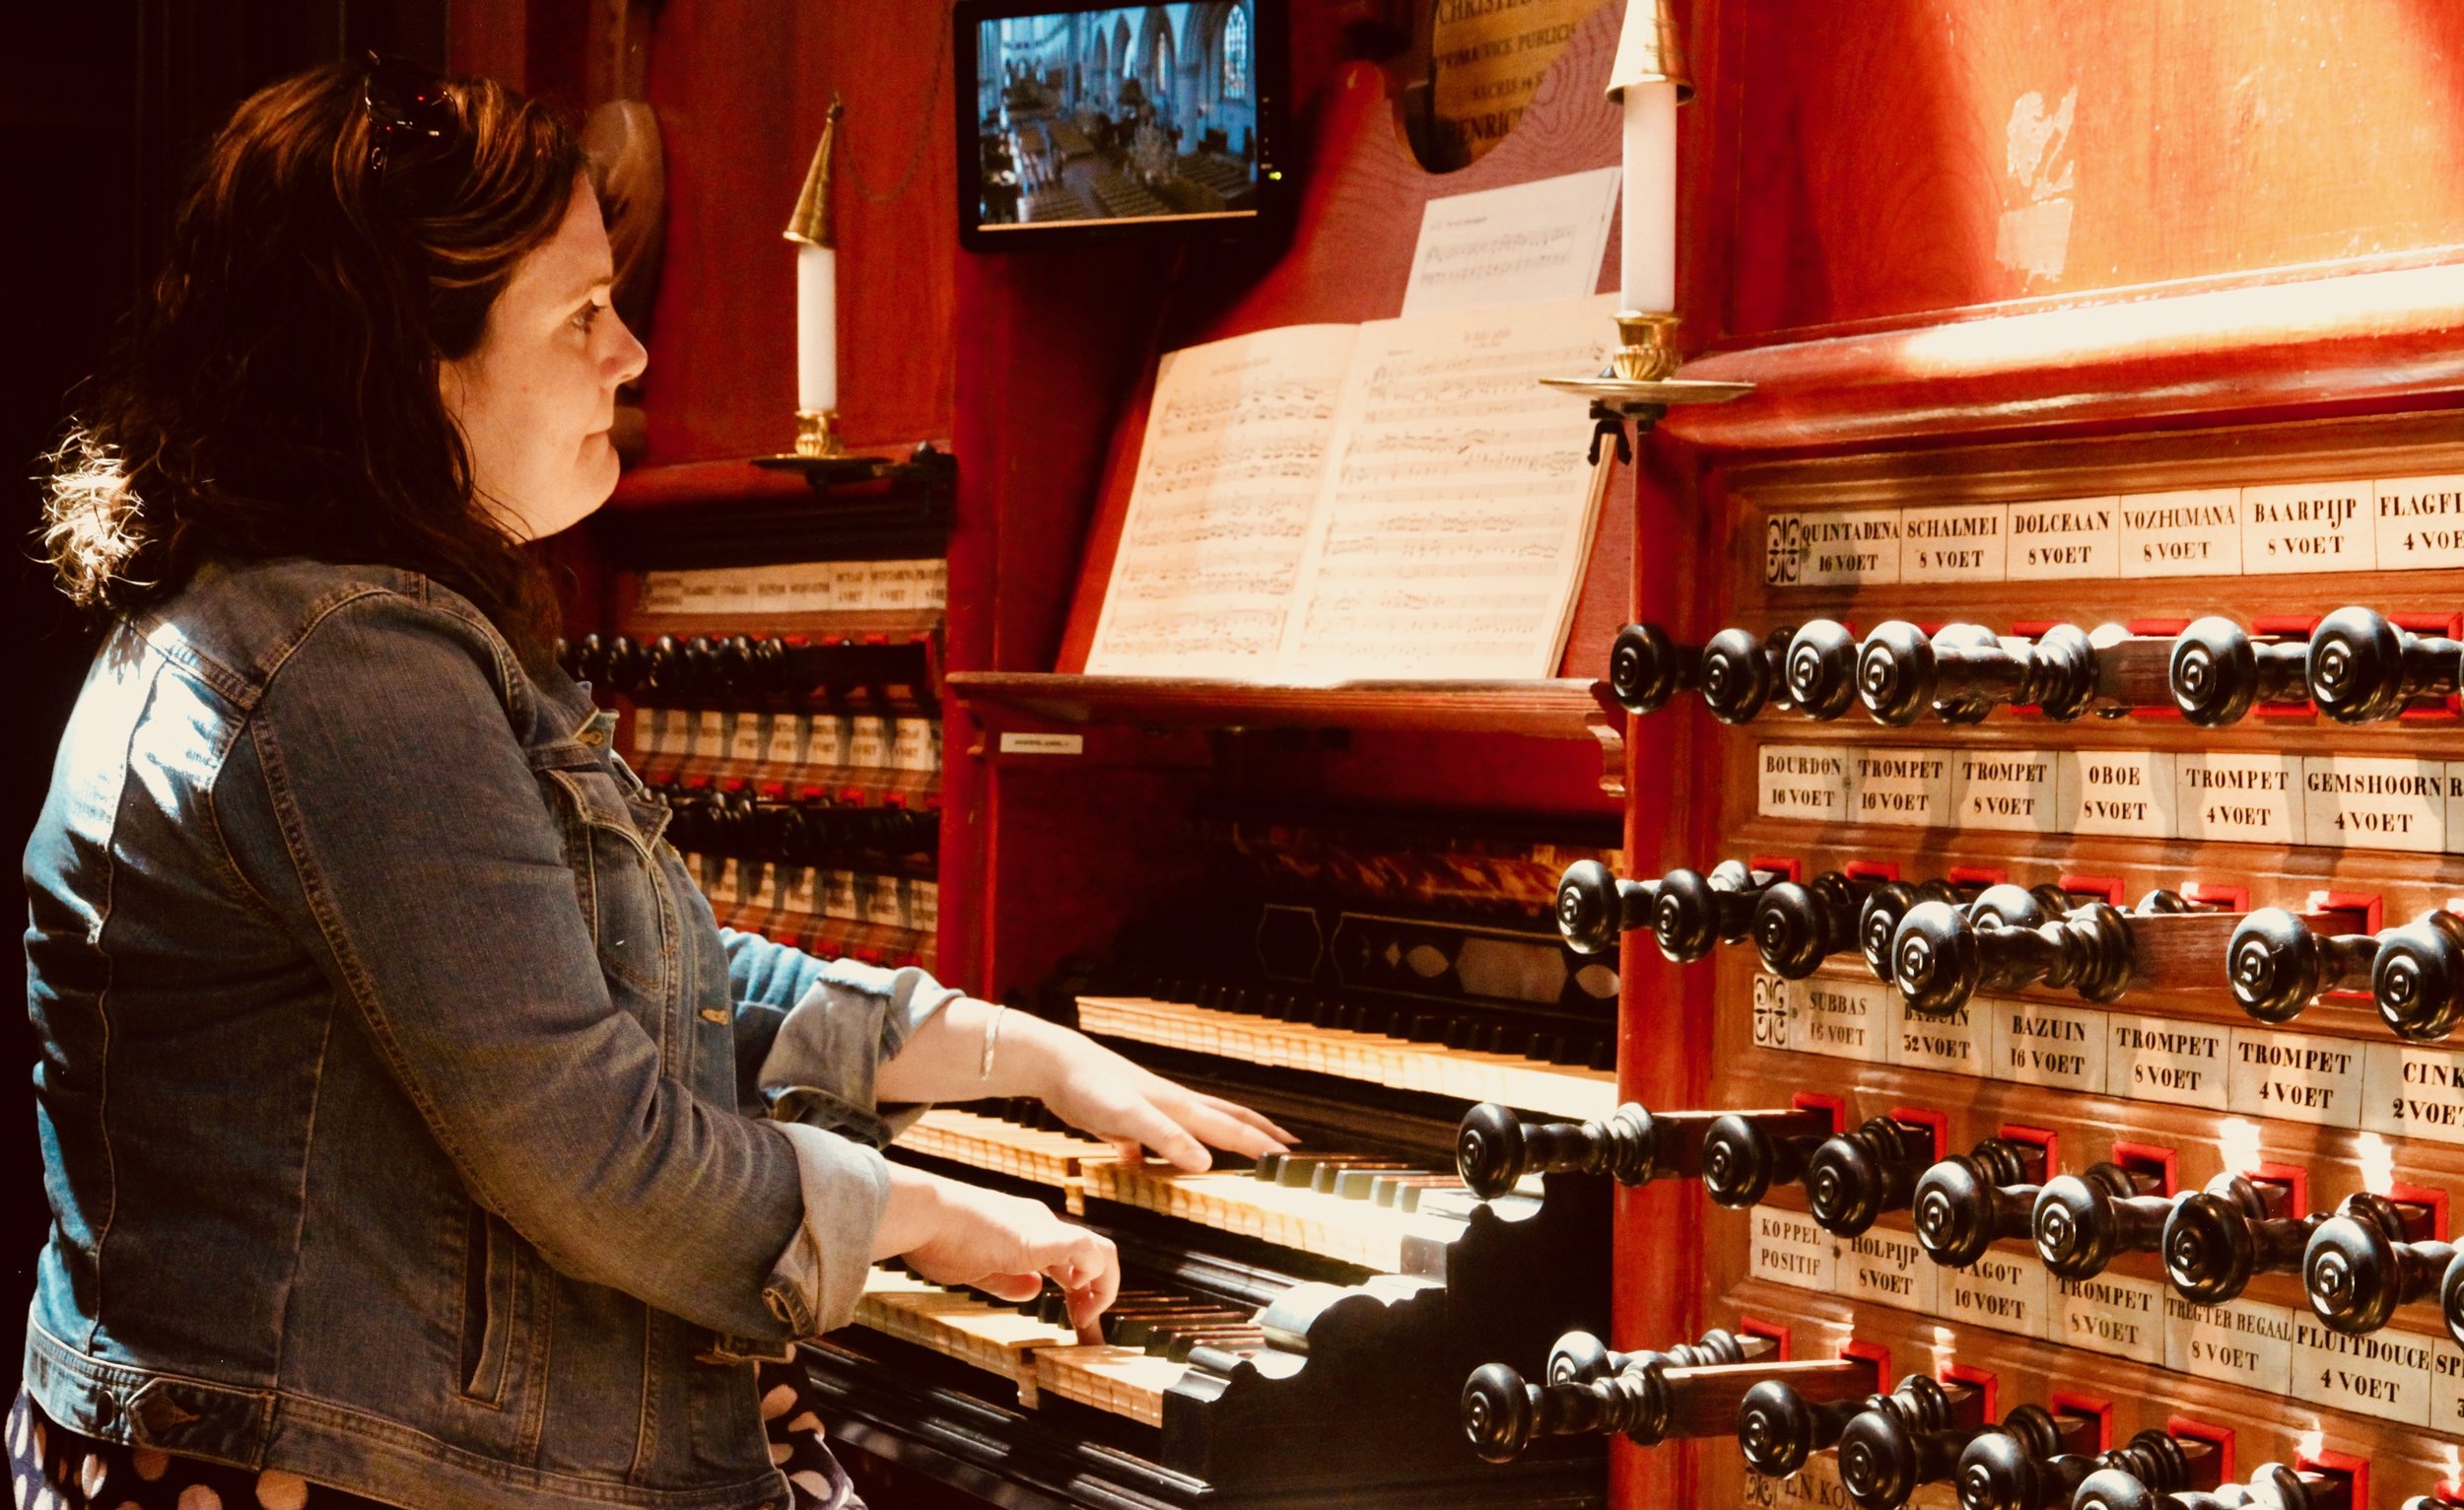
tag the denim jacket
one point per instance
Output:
(404, 1112)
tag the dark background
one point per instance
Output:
(103, 107)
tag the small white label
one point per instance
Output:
(1775, 1012)
(1890, 1269)
(2003, 1291)
(1797, 781)
(750, 739)
(1961, 543)
(2012, 790)
(1789, 1249)
(786, 740)
(2113, 1314)
(1844, 1018)
(867, 741)
(838, 896)
(1851, 548)
(2245, 797)
(1905, 786)
(1043, 744)
(911, 744)
(2035, 1044)
(803, 893)
(1957, 1043)
(826, 742)
(2411, 1090)
(2296, 1078)
(2117, 791)
(924, 906)
(2386, 1374)
(2309, 526)
(725, 888)
(2446, 1388)
(2193, 533)
(710, 735)
(676, 733)
(2240, 1343)
(646, 732)
(2420, 522)
(2065, 538)
(2373, 803)
(2163, 1058)
(878, 896)
(765, 896)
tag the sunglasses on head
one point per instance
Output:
(412, 118)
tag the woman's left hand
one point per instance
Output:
(1091, 1087)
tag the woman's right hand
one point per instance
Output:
(1003, 1245)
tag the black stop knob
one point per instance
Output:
(1498, 1413)
(1736, 676)
(2275, 965)
(1779, 1432)
(2214, 672)
(1646, 667)
(1883, 1459)
(1934, 961)
(2079, 1222)
(1488, 1149)
(2110, 1488)
(1740, 1161)
(2357, 1268)
(1594, 906)
(1821, 669)
(1792, 929)
(2362, 669)
(2001, 1471)
(2211, 1248)
(2417, 978)
(1895, 669)
(1959, 1212)
(1853, 1178)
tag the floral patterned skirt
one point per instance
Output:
(51, 1468)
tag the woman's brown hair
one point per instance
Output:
(277, 393)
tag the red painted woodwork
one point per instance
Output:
(1359, 219)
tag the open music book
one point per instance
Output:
(1335, 503)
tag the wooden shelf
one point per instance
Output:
(1564, 708)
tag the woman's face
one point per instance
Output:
(536, 396)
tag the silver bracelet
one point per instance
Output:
(991, 1037)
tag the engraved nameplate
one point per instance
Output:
(1804, 781)
(2065, 539)
(2036, 1044)
(749, 738)
(2236, 797)
(2386, 1374)
(2420, 522)
(2160, 1058)
(1957, 1043)
(1910, 786)
(2297, 1078)
(2240, 1342)
(2193, 533)
(2117, 791)
(786, 739)
(710, 735)
(2446, 1388)
(2012, 790)
(1888, 1269)
(2113, 1314)
(1845, 1018)
(2309, 526)
(2375, 802)
(1853, 548)
(1789, 1249)
(2003, 1291)
(2411, 1090)
(1959, 542)
(826, 742)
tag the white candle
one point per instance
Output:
(816, 327)
(1647, 270)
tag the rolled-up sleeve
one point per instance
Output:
(812, 1034)
(415, 858)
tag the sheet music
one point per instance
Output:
(1227, 483)
(1458, 507)
(1514, 245)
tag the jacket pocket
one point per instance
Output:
(615, 878)
(490, 1260)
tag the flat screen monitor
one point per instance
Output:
(1150, 119)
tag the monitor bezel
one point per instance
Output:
(1270, 33)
